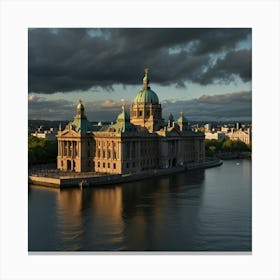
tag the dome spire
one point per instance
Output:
(80, 109)
(146, 79)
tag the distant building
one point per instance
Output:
(225, 129)
(208, 127)
(237, 125)
(242, 135)
(135, 142)
(215, 135)
(47, 134)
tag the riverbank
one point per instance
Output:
(57, 179)
(234, 155)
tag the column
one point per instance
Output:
(72, 149)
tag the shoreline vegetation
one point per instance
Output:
(227, 149)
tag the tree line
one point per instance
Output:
(41, 151)
(212, 147)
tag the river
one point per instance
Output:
(200, 210)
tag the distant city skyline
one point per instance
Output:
(206, 73)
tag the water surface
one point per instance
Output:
(202, 210)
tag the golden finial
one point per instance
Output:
(146, 70)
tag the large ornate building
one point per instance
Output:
(133, 143)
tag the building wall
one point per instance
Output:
(215, 136)
(146, 115)
(116, 153)
(75, 153)
(244, 136)
(107, 156)
(120, 153)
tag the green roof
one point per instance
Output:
(146, 96)
(123, 124)
(81, 125)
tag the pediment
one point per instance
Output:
(70, 133)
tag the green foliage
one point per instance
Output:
(213, 143)
(41, 150)
(234, 146)
(213, 146)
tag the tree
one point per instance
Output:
(41, 150)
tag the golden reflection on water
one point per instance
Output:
(76, 207)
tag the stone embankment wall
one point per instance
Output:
(97, 180)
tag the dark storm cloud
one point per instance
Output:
(232, 106)
(62, 60)
(235, 63)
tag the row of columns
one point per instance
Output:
(101, 149)
(68, 148)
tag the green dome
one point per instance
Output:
(146, 96)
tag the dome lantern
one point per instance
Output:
(146, 95)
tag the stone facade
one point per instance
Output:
(141, 141)
(239, 134)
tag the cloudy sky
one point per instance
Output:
(205, 73)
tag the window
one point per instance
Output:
(127, 165)
(62, 163)
(108, 164)
(114, 165)
(98, 164)
(140, 113)
(103, 164)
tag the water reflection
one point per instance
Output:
(171, 213)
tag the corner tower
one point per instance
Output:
(75, 144)
(146, 110)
